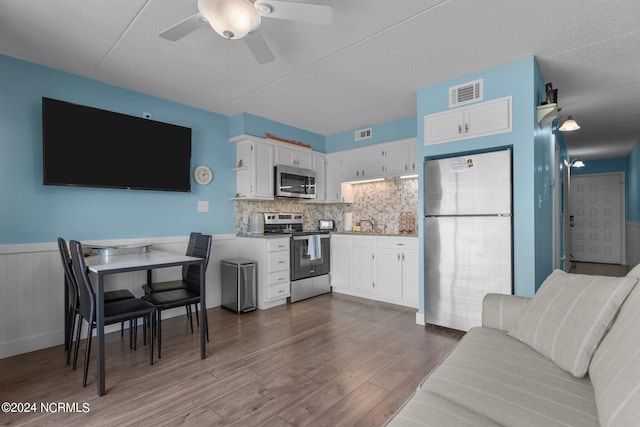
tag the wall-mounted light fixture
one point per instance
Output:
(576, 163)
(569, 125)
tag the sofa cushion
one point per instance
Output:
(428, 409)
(569, 315)
(615, 368)
(506, 381)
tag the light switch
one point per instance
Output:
(203, 206)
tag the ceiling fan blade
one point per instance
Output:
(184, 27)
(258, 47)
(303, 12)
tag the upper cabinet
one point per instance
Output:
(388, 160)
(399, 158)
(486, 118)
(294, 157)
(254, 176)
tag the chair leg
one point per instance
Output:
(122, 329)
(144, 330)
(72, 326)
(75, 357)
(135, 334)
(149, 318)
(197, 316)
(159, 326)
(86, 357)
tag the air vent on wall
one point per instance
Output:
(363, 134)
(465, 93)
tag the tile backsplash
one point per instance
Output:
(382, 201)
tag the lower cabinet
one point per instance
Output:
(383, 268)
(273, 263)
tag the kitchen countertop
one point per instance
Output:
(372, 233)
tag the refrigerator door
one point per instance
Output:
(473, 185)
(465, 258)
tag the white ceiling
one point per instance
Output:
(362, 70)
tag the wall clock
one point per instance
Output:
(203, 175)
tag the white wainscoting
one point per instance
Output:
(32, 289)
(632, 243)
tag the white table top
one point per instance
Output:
(154, 258)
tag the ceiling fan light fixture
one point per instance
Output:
(569, 125)
(232, 19)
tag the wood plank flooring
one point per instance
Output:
(332, 360)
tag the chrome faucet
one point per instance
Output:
(372, 223)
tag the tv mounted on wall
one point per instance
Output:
(89, 147)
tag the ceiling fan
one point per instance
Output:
(236, 19)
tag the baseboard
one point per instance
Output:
(420, 320)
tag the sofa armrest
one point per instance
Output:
(500, 311)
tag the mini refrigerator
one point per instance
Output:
(239, 285)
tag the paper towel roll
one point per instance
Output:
(347, 221)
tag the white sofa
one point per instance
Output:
(561, 358)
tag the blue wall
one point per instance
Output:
(633, 184)
(521, 80)
(602, 166)
(383, 132)
(245, 123)
(31, 212)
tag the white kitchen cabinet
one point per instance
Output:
(290, 156)
(362, 163)
(383, 268)
(397, 268)
(335, 190)
(254, 176)
(362, 257)
(397, 159)
(319, 167)
(340, 261)
(273, 263)
(486, 118)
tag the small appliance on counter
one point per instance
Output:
(406, 223)
(327, 224)
(257, 223)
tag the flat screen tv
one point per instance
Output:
(90, 147)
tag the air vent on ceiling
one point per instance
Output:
(363, 134)
(465, 93)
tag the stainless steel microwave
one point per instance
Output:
(291, 181)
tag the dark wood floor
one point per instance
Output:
(332, 360)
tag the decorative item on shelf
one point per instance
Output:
(406, 223)
(239, 163)
(287, 141)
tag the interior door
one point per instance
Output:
(597, 209)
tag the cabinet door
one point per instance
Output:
(303, 159)
(488, 118)
(372, 162)
(333, 178)
(285, 156)
(442, 127)
(410, 266)
(388, 273)
(413, 156)
(340, 265)
(396, 159)
(351, 165)
(244, 175)
(263, 170)
(362, 263)
(318, 167)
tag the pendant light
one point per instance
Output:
(569, 125)
(232, 19)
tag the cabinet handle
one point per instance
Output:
(362, 172)
(398, 257)
(400, 244)
(403, 256)
(459, 129)
(466, 128)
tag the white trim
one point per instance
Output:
(420, 320)
(20, 248)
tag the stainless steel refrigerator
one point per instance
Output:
(468, 236)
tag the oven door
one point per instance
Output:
(310, 255)
(295, 182)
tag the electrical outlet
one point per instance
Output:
(203, 206)
(146, 115)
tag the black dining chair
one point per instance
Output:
(183, 297)
(171, 285)
(114, 312)
(71, 285)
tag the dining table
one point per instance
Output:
(102, 266)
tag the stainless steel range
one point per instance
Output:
(310, 254)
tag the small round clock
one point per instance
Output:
(203, 175)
